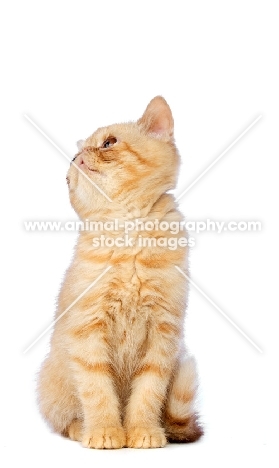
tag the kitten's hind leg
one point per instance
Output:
(181, 419)
(57, 398)
(75, 430)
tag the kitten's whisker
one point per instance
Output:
(221, 311)
(68, 308)
(66, 156)
(218, 158)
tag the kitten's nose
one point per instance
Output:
(80, 161)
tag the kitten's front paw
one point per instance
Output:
(105, 437)
(146, 437)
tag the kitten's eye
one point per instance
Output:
(109, 142)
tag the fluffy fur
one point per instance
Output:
(118, 374)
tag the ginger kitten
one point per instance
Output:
(118, 374)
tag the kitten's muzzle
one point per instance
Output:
(80, 161)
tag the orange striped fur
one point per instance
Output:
(117, 373)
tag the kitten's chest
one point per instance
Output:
(127, 323)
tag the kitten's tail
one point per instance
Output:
(181, 420)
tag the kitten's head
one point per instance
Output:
(132, 164)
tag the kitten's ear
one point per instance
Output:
(157, 119)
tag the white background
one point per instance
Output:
(75, 66)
